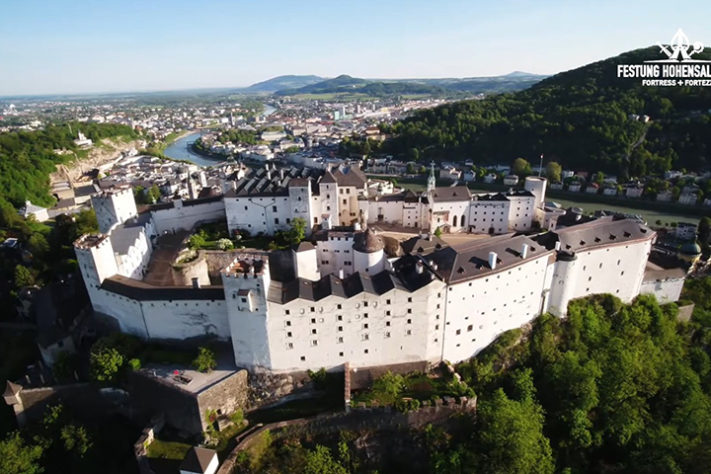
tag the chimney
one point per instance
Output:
(492, 260)
(557, 246)
(341, 274)
(524, 251)
(419, 268)
(196, 282)
(281, 173)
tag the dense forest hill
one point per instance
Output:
(583, 119)
(28, 157)
(283, 82)
(390, 87)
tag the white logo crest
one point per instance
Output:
(680, 50)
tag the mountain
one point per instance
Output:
(585, 118)
(283, 82)
(386, 87)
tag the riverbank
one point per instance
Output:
(651, 211)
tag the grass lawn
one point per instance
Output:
(296, 409)
(168, 449)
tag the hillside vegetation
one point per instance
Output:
(28, 158)
(579, 118)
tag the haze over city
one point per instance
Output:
(87, 47)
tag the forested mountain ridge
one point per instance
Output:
(581, 118)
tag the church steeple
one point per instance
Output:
(431, 179)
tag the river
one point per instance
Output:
(181, 150)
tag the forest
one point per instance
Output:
(586, 119)
(28, 157)
(616, 388)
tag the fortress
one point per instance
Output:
(348, 294)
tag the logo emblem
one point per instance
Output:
(680, 50)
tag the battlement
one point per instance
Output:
(247, 263)
(88, 241)
(116, 190)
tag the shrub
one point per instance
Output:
(134, 364)
(224, 244)
(205, 360)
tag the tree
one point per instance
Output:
(554, 172)
(298, 230)
(205, 360)
(76, 439)
(23, 277)
(154, 193)
(37, 244)
(511, 437)
(521, 167)
(320, 461)
(105, 364)
(16, 456)
(388, 387)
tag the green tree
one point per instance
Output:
(18, 457)
(388, 387)
(76, 439)
(511, 436)
(105, 364)
(37, 244)
(297, 233)
(320, 461)
(521, 167)
(554, 172)
(205, 360)
(23, 277)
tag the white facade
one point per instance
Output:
(114, 207)
(185, 215)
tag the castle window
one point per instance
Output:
(340, 354)
(290, 345)
(364, 337)
(365, 326)
(387, 335)
(409, 321)
(340, 340)
(365, 315)
(276, 220)
(245, 208)
(313, 331)
(387, 313)
(436, 326)
(274, 208)
(339, 306)
(313, 320)
(409, 310)
(288, 334)
(314, 342)
(365, 304)
(244, 300)
(387, 301)
(365, 351)
(313, 309)
(287, 312)
(387, 323)
(303, 358)
(409, 299)
(340, 318)
(459, 331)
(288, 323)
(409, 332)
(340, 328)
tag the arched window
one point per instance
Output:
(454, 221)
(463, 221)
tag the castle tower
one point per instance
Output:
(537, 186)
(95, 256)
(306, 261)
(368, 253)
(246, 281)
(113, 207)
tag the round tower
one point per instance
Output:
(537, 186)
(368, 253)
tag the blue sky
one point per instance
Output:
(60, 46)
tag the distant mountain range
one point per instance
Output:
(344, 84)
